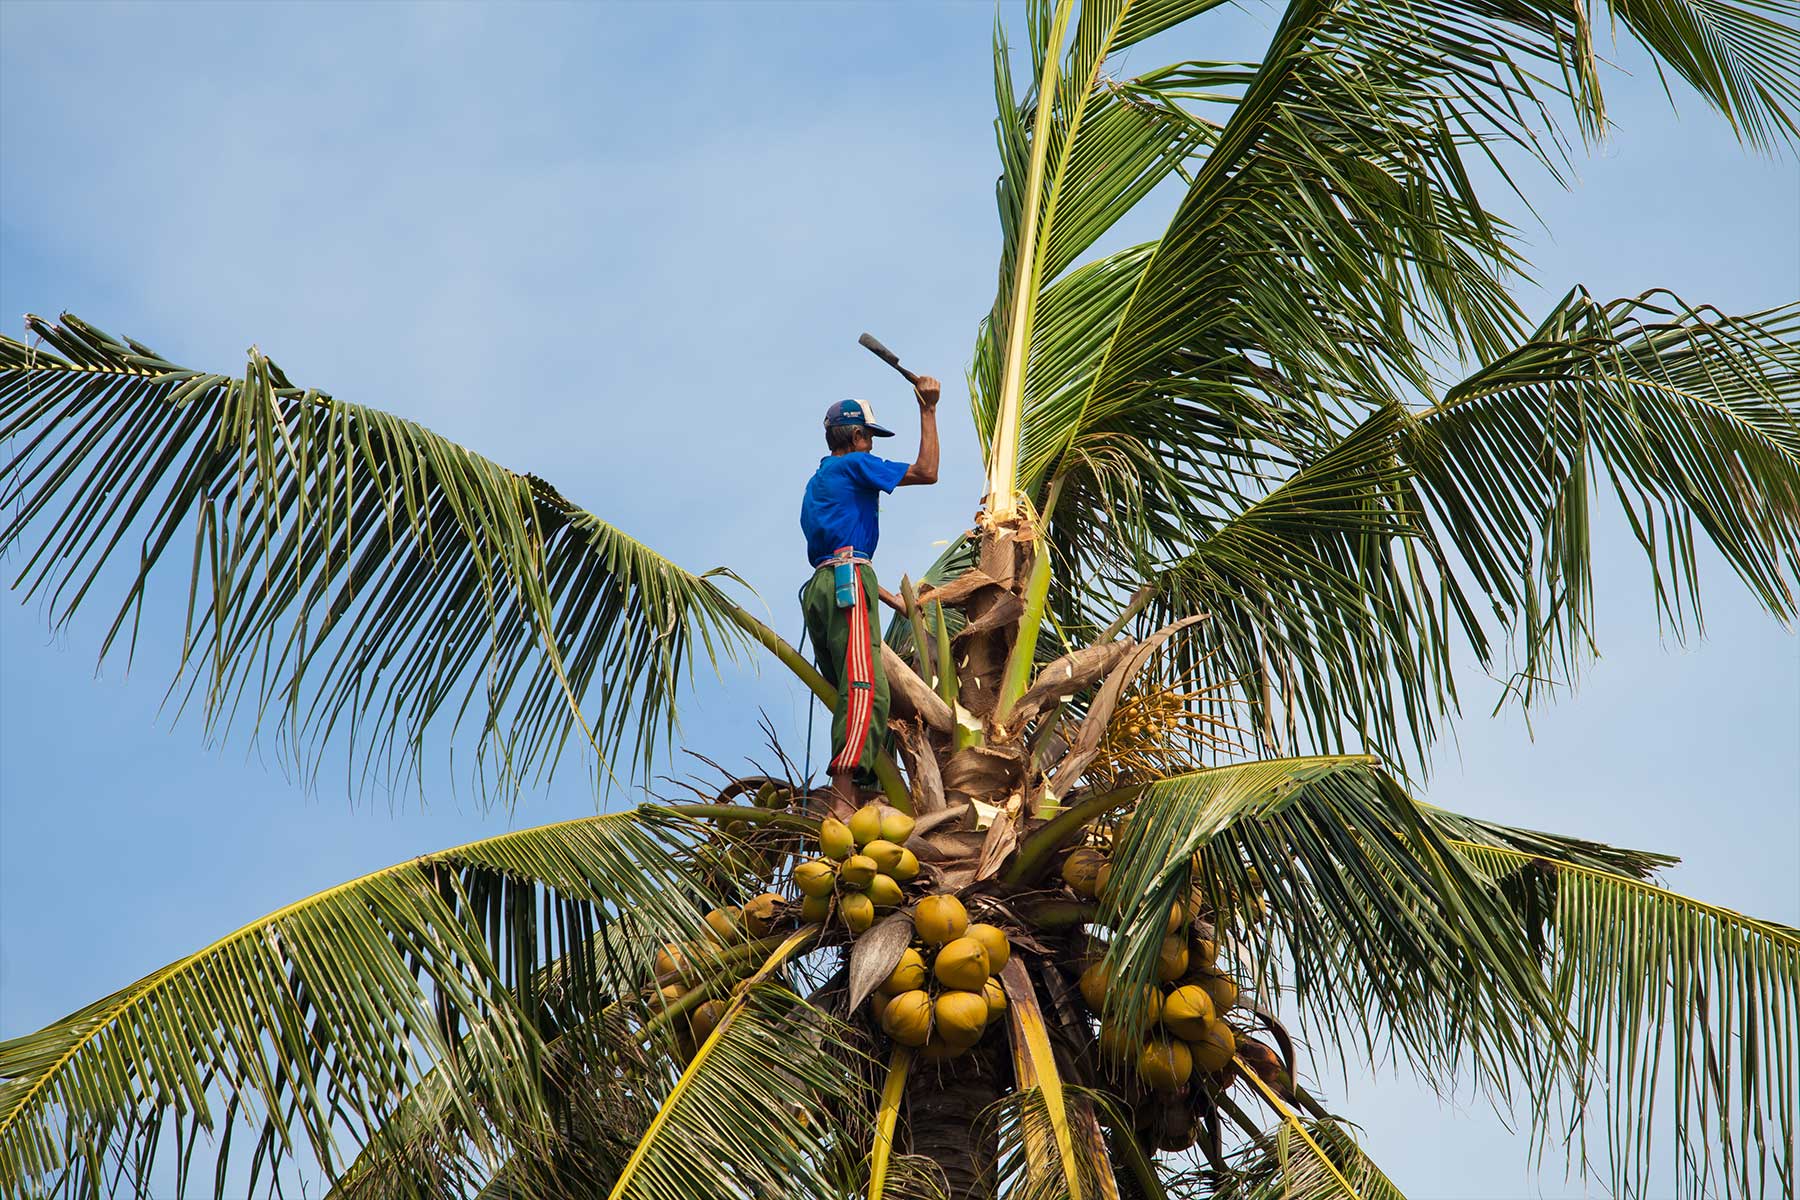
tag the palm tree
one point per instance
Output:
(1159, 711)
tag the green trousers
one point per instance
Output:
(862, 711)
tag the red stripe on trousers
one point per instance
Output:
(857, 669)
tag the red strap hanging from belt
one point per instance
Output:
(859, 678)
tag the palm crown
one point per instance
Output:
(1248, 486)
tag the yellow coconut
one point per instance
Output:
(907, 1018)
(940, 919)
(939, 1048)
(1186, 1011)
(885, 854)
(814, 909)
(856, 872)
(994, 942)
(1180, 915)
(1149, 1007)
(705, 1019)
(857, 910)
(1120, 1045)
(1165, 1065)
(671, 958)
(996, 998)
(962, 964)
(865, 824)
(1171, 959)
(908, 866)
(1102, 879)
(885, 892)
(1081, 871)
(896, 826)
(1222, 990)
(1202, 953)
(1094, 984)
(723, 922)
(670, 994)
(877, 1004)
(961, 1017)
(1214, 1048)
(815, 878)
(761, 912)
(908, 974)
(835, 840)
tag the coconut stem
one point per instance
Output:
(1059, 914)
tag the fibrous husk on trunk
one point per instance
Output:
(1067, 676)
(984, 772)
(927, 785)
(912, 696)
(1093, 728)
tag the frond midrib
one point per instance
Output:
(1786, 938)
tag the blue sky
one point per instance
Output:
(630, 248)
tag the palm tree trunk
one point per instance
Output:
(946, 1122)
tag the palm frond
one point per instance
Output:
(1047, 1107)
(1332, 613)
(1337, 596)
(1077, 151)
(1331, 249)
(1281, 1166)
(1387, 937)
(754, 1114)
(1641, 973)
(314, 1023)
(1633, 864)
(351, 572)
(1029, 1164)
(887, 1116)
(1693, 419)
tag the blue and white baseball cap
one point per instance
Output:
(855, 412)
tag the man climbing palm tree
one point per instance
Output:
(840, 515)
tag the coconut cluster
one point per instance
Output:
(1180, 1029)
(863, 864)
(944, 992)
(696, 1024)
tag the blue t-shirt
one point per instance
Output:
(840, 507)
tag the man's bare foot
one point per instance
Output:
(846, 797)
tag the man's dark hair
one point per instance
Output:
(841, 437)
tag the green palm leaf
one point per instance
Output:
(1622, 964)
(1691, 417)
(1643, 973)
(351, 571)
(1337, 595)
(1386, 936)
(1077, 152)
(754, 1114)
(318, 1020)
(1332, 613)
(1331, 249)
(1280, 1166)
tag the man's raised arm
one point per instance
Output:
(925, 467)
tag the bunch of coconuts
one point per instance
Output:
(725, 927)
(944, 992)
(863, 865)
(1180, 1030)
